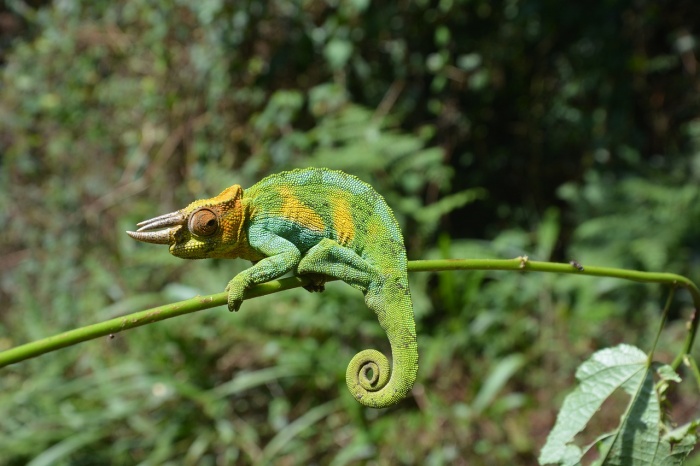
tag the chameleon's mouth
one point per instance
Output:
(163, 225)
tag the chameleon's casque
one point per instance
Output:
(313, 221)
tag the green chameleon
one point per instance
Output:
(319, 223)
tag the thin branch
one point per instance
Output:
(198, 303)
(137, 319)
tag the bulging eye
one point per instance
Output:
(203, 222)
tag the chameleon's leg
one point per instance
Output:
(369, 376)
(329, 258)
(317, 281)
(282, 256)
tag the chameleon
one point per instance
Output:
(318, 223)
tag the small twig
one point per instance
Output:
(662, 324)
(388, 100)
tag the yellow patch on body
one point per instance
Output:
(342, 221)
(375, 229)
(295, 210)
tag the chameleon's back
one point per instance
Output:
(318, 203)
(307, 205)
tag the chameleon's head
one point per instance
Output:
(205, 228)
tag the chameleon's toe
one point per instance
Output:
(234, 304)
(317, 282)
(315, 288)
(235, 295)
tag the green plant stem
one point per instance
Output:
(525, 265)
(112, 326)
(137, 319)
(689, 361)
(662, 324)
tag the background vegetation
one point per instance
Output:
(493, 129)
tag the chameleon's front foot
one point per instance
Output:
(235, 291)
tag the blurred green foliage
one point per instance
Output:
(493, 129)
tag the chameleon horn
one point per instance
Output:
(154, 237)
(163, 221)
(167, 220)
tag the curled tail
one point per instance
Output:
(370, 378)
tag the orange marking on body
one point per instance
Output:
(342, 220)
(295, 210)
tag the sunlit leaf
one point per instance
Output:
(638, 439)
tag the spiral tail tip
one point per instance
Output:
(368, 376)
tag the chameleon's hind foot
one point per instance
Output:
(317, 282)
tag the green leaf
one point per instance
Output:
(337, 53)
(433, 212)
(496, 380)
(63, 449)
(248, 380)
(295, 428)
(637, 440)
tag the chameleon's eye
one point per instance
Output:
(203, 222)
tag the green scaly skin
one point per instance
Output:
(316, 222)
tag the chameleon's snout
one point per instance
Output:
(163, 226)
